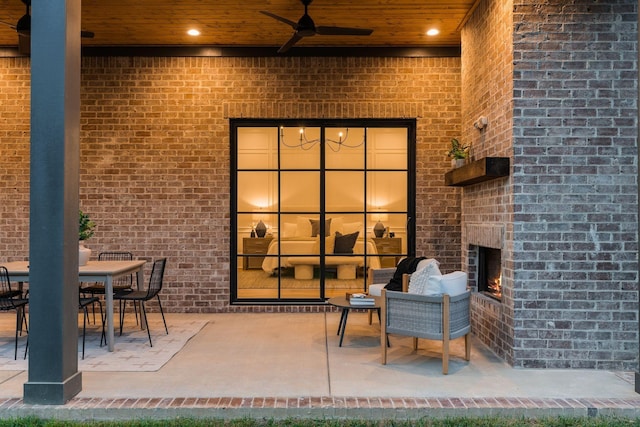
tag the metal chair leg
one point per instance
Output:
(93, 309)
(144, 313)
(26, 328)
(85, 311)
(135, 311)
(161, 312)
(103, 337)
(123, 306)
(18, 326)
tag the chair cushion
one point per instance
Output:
(131, 295)
(376, 289)
(454, 283)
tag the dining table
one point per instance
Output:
(93, 271)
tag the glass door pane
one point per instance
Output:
(344, 191)
(387, 148)
(344, 148)
(300, 148)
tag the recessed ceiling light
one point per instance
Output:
(433, 32)
(193, 32)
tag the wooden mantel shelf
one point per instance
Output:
(485, 169)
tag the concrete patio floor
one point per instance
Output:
(290, 365)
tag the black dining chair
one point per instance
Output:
(153, 291)
(84, 303)
(120, 284)
(10, 300)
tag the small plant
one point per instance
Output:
(458, 151)
(86, 226)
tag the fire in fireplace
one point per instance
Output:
(490, 272)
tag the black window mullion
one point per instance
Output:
(322, 216)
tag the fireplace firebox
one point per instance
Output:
(490, 272)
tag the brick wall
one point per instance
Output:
(575, 184)
(487, 79)
(155, 151)
(14, 149)
(572, 273)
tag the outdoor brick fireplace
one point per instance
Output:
(565, 220)
(485, 243)
(489, 272)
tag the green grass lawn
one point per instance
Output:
(427, 422)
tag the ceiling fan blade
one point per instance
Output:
(87, 34)
(8, 24)
(293, 25)
(343, 31)
(293, 40)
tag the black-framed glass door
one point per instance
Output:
(315, 203)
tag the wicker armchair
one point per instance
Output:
(441, 318)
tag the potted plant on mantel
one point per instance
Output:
(458, 153)
(85, 230)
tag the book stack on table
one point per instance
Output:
(361, 299)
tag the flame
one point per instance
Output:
(495, 286)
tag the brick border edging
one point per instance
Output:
(319, 407)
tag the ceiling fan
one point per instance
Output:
(305, 27)
(23, 28)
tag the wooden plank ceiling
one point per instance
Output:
(395, 23)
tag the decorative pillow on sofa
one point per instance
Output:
(303, 227)
(454, 283)
(351, 227)
(426, 280)
(345, 243)
(315, 227)
(329, 243)
(289, 229)
(337, 224)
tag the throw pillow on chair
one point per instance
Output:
(454, 283)
(426, 280)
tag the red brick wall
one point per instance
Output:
(155, 151)
(14, 150)
(487, 78)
